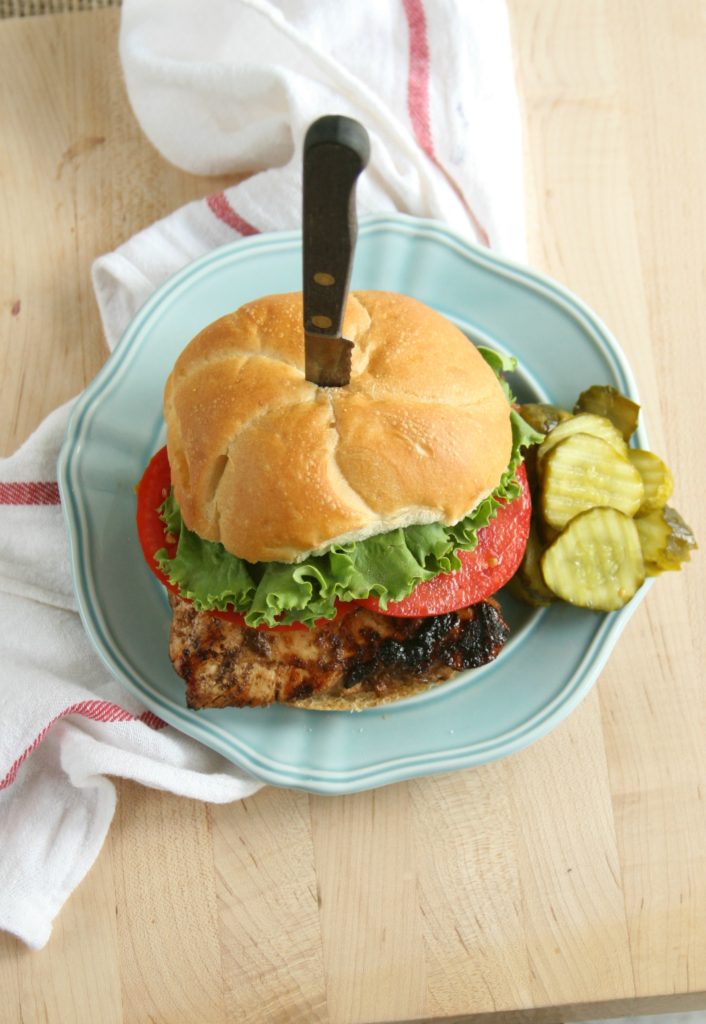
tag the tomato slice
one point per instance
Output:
(496, 557)
(152, 489)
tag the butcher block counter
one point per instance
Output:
(566, 881)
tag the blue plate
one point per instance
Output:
(553, 656)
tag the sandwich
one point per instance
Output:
(334, 548)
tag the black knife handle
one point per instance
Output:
(336, 149)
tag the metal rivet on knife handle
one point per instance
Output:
(336, 149)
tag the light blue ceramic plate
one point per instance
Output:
(553, 656)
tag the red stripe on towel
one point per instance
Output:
(218, 204)
(418, 79)
(44, 492)
(418, 96)
(97, 711)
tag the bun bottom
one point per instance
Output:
(369, 698)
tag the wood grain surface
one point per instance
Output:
(567, 881)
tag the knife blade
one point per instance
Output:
(336, 149)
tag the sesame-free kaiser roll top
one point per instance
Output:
(276, 468)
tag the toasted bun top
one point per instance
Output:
(275, 468)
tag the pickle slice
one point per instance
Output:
(543, 417)
(586, 423)
(667, 541)
(656, 479)
(597, 561)
(605, 400)
(548, 534)
(519, 589)
(528, 583)
(530, 455)
(682, 538)
(583, 472)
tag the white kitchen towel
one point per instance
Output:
(221, 86)
(232, 85)
(66, 723)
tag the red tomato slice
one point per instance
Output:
(152, 489)
(496, 557)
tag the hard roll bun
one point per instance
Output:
(275, 468)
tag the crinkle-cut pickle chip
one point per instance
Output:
(656, 479)
(542, 416)
(666, 540)
(519, 589)
(597, 561)
(586, 423)
(584, 472)
(605, 400)
(528, 583)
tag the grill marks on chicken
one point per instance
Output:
(362, 654)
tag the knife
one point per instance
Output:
(336, 149)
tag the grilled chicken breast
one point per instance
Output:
(360, 659)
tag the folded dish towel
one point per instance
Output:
(226, 85)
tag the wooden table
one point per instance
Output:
(567, 881)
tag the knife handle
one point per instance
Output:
(336, 149)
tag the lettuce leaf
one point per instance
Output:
(389, 565)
